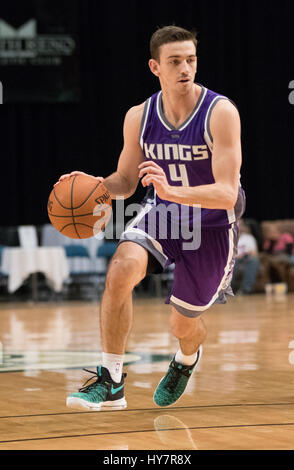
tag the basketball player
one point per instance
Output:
(184, 142)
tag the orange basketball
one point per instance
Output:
(79, 207)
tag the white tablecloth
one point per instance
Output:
(20, 262)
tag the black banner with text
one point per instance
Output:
(39, 51)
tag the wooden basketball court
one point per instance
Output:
(241, 397)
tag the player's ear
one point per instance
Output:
(154, 67)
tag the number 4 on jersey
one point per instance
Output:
(178, 173)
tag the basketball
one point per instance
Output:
(79, 207)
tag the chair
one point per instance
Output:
(3, 276)
(51, 237)
(28, 237)
(76, 250)
(106, 250)
(78, 259)
(1, 249)
(82, 273)
(91, 245)
(104, 254)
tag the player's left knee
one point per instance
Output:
(183, 327)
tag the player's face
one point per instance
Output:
(177, 66)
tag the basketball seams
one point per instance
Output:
(67, 216)
(72, 209)
(77, 207)
(77, 225)
(64, 207)
(88, 197)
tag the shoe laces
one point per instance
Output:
(173, 377)
(87, 388)
(175, 374)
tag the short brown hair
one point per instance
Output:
(169, 34)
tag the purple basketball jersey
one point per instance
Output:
(184, 153)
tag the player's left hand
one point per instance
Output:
(150, 172)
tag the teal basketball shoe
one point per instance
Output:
(173, 384)
(102, 393)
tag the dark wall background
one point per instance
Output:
(246, 52)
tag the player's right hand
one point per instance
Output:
(76, 173)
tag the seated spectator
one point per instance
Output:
(247, 260)
(278, 247)
(277, 242)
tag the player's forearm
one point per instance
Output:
(118, 185)
(209, 196)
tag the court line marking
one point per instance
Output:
(146, 430)
(176, 408)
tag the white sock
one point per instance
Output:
(114, 363)
(186, 360)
